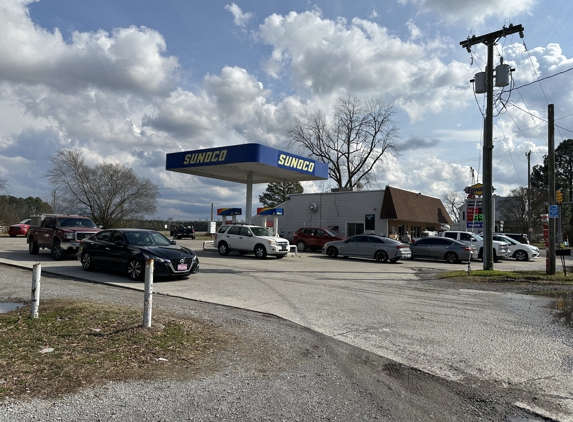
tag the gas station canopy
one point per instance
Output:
(247, 163)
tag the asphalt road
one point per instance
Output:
(457, 332)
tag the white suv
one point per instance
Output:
(245, 239)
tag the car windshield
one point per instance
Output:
(25, 221)
(76, 222)
(509, 240)
(332, 233)
(477, 236)
(146, 238)
(260, 231)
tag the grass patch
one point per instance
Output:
(94, 343)
(495, 276)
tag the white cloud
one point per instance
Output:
(325, 57)
(239, 18)
(474, 12)
(129, 59)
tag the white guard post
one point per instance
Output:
(35, 303)
(148, 294)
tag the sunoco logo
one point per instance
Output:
(205, 157)
(295, 163)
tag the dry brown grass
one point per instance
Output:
(94, 343)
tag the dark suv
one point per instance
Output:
(314, 238)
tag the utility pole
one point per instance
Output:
(529, 229)
(550, 270)
(488, 214)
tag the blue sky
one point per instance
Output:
(129, 81)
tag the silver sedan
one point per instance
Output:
(379, 248)
(442, 249)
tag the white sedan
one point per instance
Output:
(519, 251)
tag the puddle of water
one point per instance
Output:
(9, 306)
(562, 303)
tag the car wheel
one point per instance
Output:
(223, 249)
(260, 251)
(87, 261)
(301, 246)
(57, 252)
(33, 247)
(332, 252)
(521, 256)
(480, 254)
(495, 257)
(134, 270)
(451, 258)
(381, 256)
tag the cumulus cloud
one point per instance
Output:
(474, 12)
(325, 56)
(129, 59)
(239, 18)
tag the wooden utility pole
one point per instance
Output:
(551, 183)
(529, 228)
(488, 213)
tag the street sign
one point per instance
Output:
(553, 211)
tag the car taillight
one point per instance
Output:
(401, 246)
(466, 248)
(215, 238)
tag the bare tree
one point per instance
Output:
(108, 193)
(360, 133)
(453, 201)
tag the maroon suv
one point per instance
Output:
(314, 238)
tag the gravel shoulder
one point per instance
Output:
(277, 371)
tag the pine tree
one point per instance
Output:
(277, 193)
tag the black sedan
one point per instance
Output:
(127, 250)
(442, 249)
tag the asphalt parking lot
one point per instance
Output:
(395, 310)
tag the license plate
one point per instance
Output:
(181, 267)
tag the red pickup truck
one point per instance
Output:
(61, 234)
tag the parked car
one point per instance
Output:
(60, 233)
(500, 249)
(519, 251)
(442, 249)
(179, 231)
(314, 238)
(245, 238)
(127, 250)
(20, 229)
(381, 249)
(521, 238)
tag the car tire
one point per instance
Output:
(33, 247)
(260, 252)
(521, 256)
(135, 270)
(86, 260)
(381, 256)
(223, 249)
(301, 246)
(332, 252)
(451, 258)
(57, 251)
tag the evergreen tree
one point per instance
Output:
(277, 193)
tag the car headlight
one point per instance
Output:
(155, 258)
(68, 235)
(272, 242)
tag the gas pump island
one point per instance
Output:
(248, 164)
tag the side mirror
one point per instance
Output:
(173, 242)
